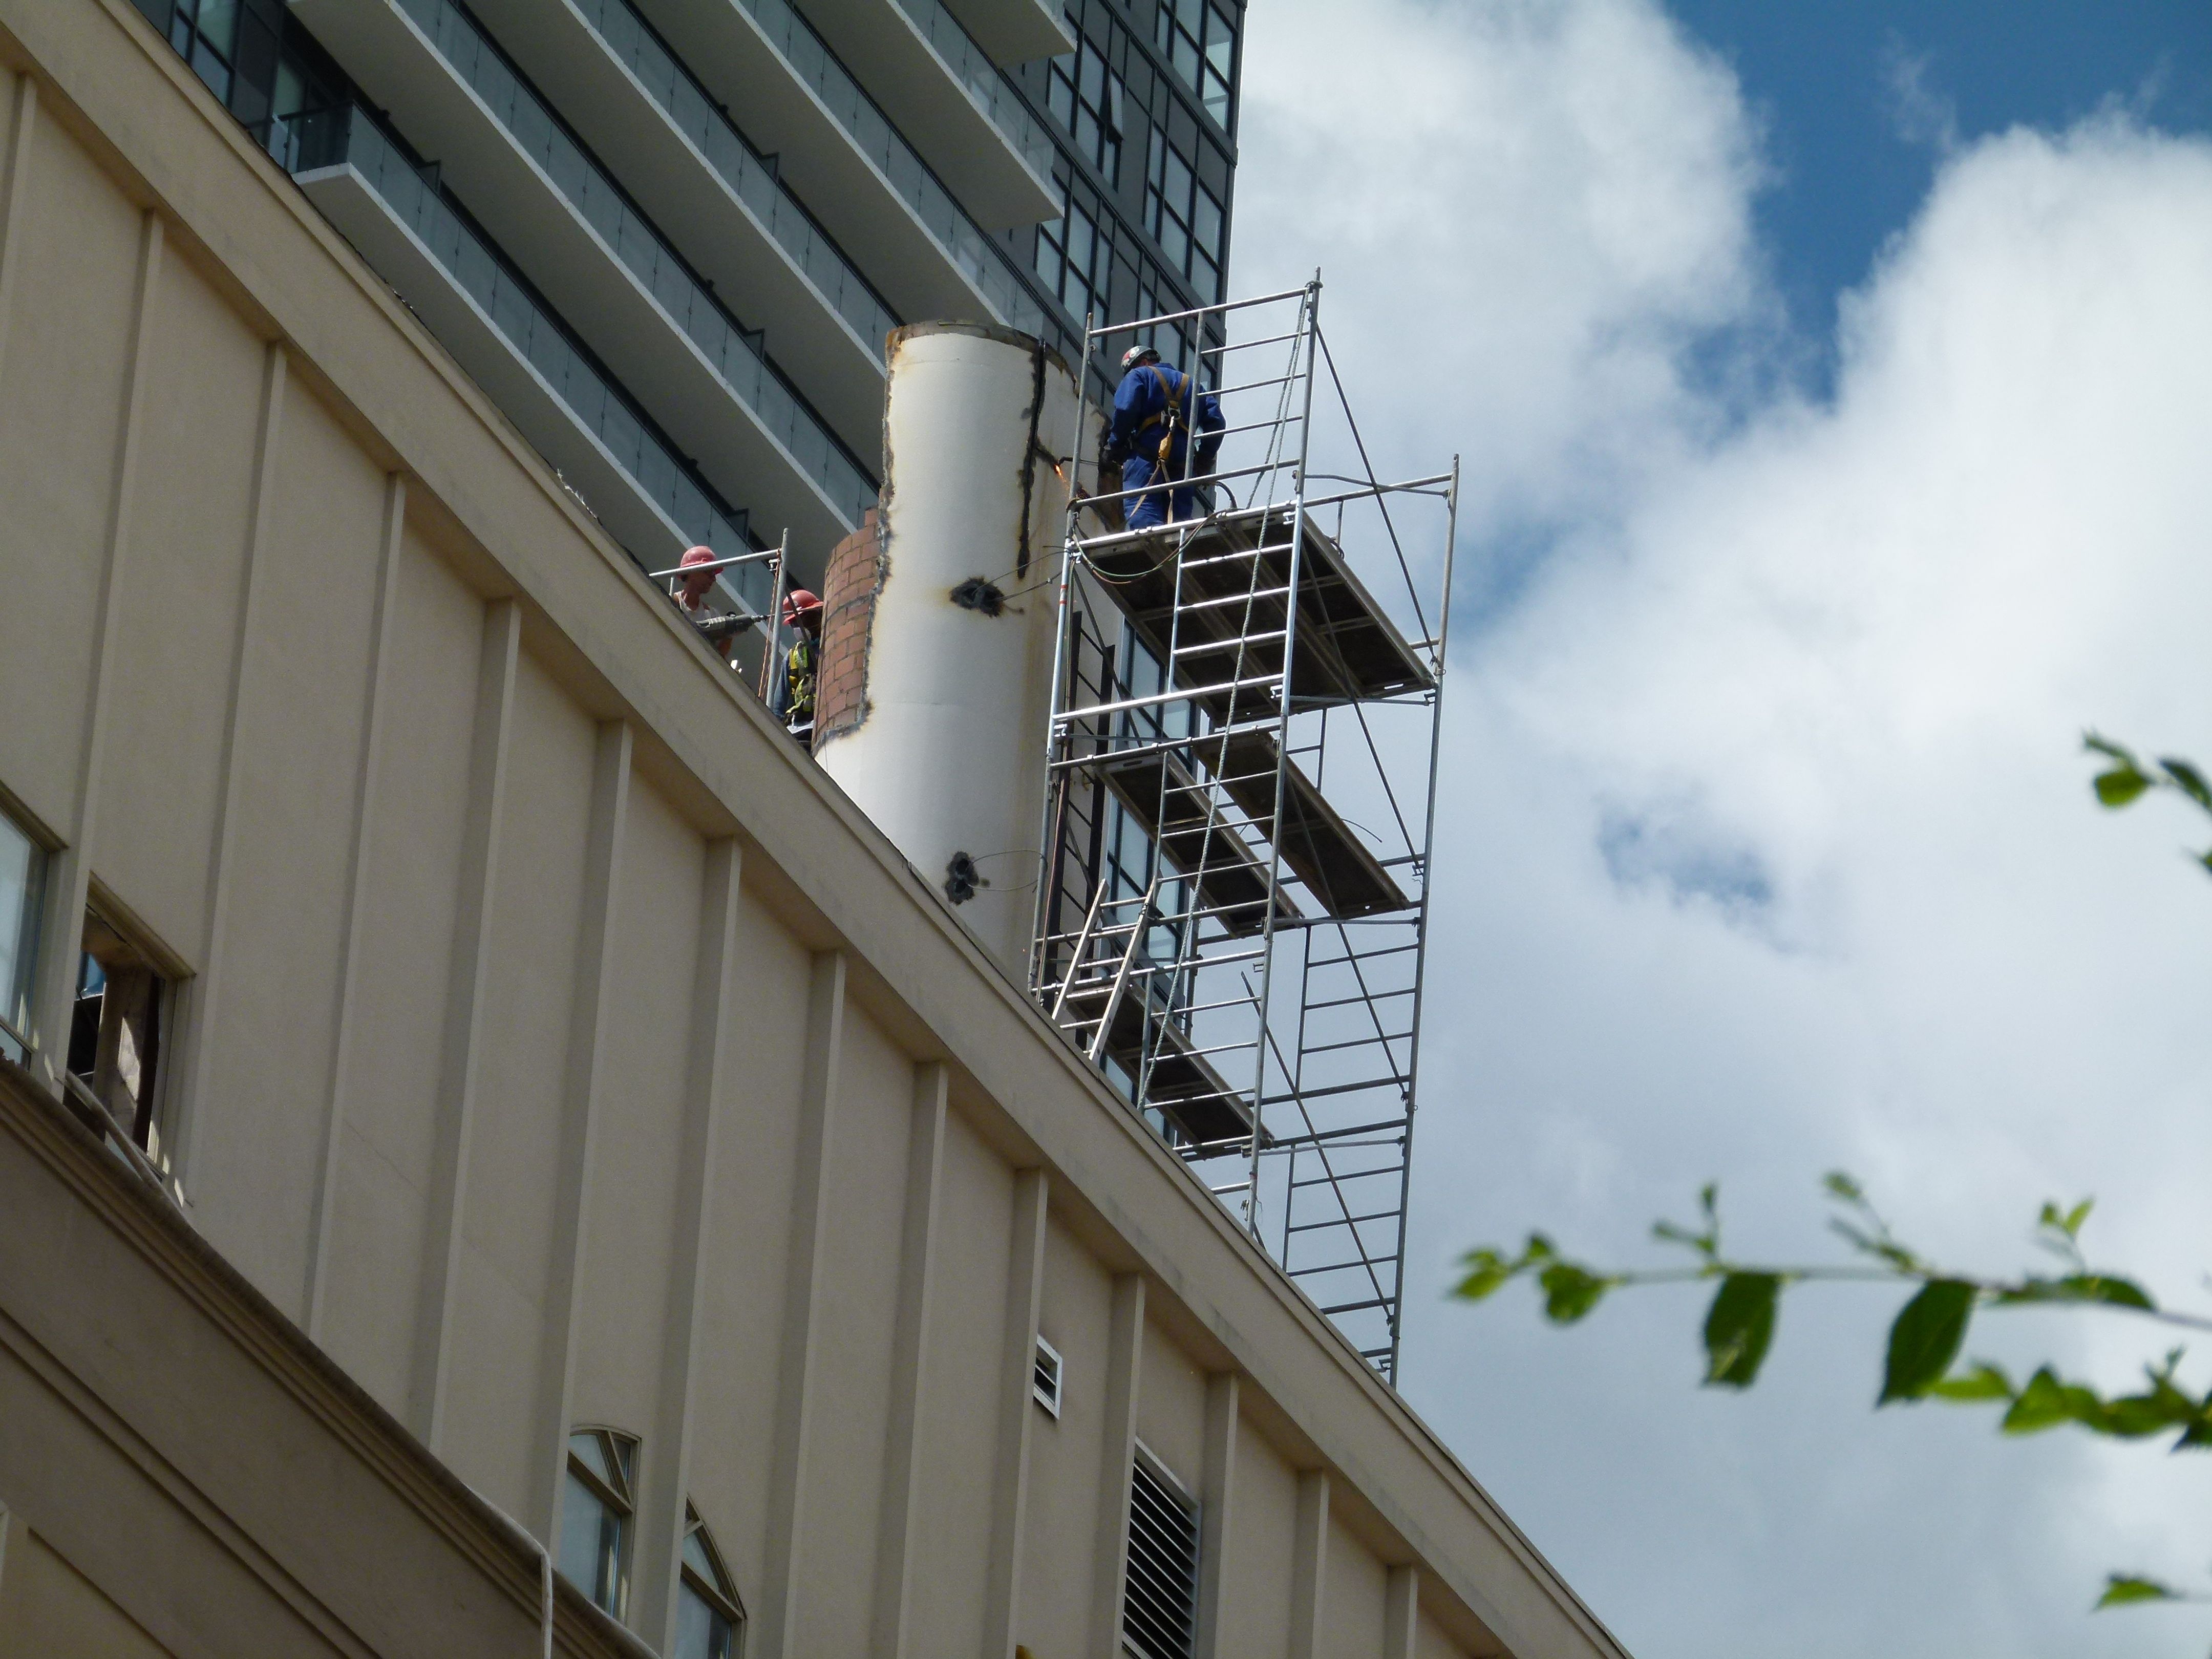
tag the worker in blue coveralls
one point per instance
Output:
(1154, 412)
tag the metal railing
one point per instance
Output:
(986, 87)
(630, 39)
(350, 135)
(973, 253)
(735, 354)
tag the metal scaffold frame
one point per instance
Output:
(1233, 898)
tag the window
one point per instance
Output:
(1199, 39)
(1045, 1383)
(1185, 217)
(1159, 1606)
(116, 1029)
(22, 894)
(596, 1513)
(1071, 256)
(1089, 98)
(708, 1615)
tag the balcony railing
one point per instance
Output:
(348, 136)
(697, 115)
(979, 76)
(981, 260)
(736, 355)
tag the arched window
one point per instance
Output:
(709, 1618)
(596, 1512)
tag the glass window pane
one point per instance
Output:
(218, 21)
(22, 885)
(701, 1633)
(581, 1514)
(591, 1451)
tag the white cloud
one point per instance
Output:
(1772, 851)
(1526, 213)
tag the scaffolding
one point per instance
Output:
(1232, 908)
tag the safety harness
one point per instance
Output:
(1170, 418)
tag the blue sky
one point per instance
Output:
(1832, 386)
(1823, 76)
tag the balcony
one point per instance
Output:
(948, 97)
(1015, 31)
(523, 358)
(599, 262)
(716, 197)
(841, 153)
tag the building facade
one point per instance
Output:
(497, 1153)
(672, 239)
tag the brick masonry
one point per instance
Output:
(853, 578)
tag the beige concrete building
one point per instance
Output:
(542, 1123)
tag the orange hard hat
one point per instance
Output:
(695, 586)
(799, 604)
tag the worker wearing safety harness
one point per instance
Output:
(792, 698)
(1155, 411)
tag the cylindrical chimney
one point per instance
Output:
(938, 620)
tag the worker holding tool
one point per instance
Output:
(802, 614)
(1155, 411)
(694, 584)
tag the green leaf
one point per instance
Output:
(1843, 1187)
(2076, 1216)
(2106, 1287)
(1739, 1326)
(2046, 1402)
(2120, 785)
(1985, 1382)
(2122, 1588)
(2136, 1415)
(2187, 779)
(2080, 1287)
(1486, 1270)
(1925, 1339)
(1570, 1291)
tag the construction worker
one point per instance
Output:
(721, 628)
(1155, 410)
(802, 614)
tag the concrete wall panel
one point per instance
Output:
(1171, 1408)
(177, 638)
(1064, 1454)
(874, 1122)
(259, 1143)
(630, 1244)
(1256, 1580)
(62, 368)
(47, 1609)
(1430, 1642)
(1351, 1621)
(960, 1424)
(414, 856)
(509, 1224)
(732, 1446)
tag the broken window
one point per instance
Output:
(117, 1027)
(22, 891)
(595, 1515)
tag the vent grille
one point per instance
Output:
(1160, 1613)
(1045, 1380)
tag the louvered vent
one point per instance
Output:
(1044, 1383)
(1160, 1613)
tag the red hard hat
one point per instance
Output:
(798, 603)
(695, 586)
